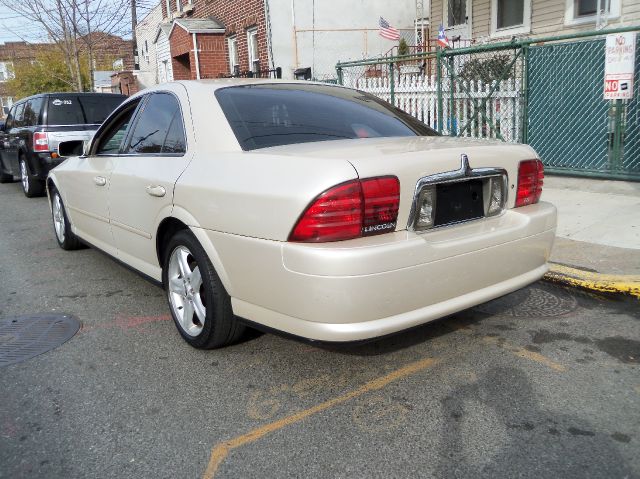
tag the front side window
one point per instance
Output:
(18, 119)
(232, 44)
(110, 142)
(10, 118)
(252, 46)
(158, 128)
(282, 114)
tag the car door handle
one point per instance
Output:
(156, 190)
(100, 180)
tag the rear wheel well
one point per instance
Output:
(168, 227)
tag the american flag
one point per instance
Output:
(443, 41)
(387, 31)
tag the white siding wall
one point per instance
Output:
(547, 18)
(163, 54)
(147, 58)
(323, 48)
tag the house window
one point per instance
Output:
(456, 12)
(232, 43)
(252, 47)
(178, 5)
(586, 11)
(168, 5)
(2, 76)
(510, 17)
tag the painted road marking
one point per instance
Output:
(512, 348)
(602, 283)
(220, 451)
(525, 353)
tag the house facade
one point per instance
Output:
(216, 38)
(146, 32)
(500, 20)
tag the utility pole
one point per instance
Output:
(134, 22)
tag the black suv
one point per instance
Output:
(37, 124)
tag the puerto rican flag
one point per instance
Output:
(387, 31)
(443, 41)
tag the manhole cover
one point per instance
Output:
(25, 337)
(534, 301)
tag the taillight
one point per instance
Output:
(530, 180)
(40, 141)
(350, 210)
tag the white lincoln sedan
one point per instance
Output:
(312, 209)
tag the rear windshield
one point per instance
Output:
(78, 110)
(273, 115)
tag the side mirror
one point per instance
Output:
(73, 148)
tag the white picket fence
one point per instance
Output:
(418, 95)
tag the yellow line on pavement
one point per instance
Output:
(602, 283)
(525, 353)
(220, 451)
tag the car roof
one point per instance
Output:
(216, 84)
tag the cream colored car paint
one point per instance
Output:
(242, 206)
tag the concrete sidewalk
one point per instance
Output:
(598, 230)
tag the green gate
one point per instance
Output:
(568, 121)
(631, 119)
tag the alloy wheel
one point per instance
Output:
(186, 291)
(24, 175)
(58, 217)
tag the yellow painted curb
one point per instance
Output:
(601, 283)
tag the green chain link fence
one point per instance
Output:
(544, 92)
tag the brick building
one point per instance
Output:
(214, 38)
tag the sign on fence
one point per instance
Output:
(620, 54)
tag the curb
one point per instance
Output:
(628, 285)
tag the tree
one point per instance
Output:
(403, 48)
(48, 72)
(69, 25)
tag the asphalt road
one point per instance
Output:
(541, 383)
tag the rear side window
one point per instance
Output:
(32, 112)
(158, 129)
(272, 115)
(80, 110)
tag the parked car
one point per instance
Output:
(312, 209)
(37, 124)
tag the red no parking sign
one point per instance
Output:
(620, 54)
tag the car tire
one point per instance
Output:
(66, 239)
(199, 303)
(32, 187)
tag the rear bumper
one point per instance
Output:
(44, 164)
(371, 287)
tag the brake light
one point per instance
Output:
(530, 180)
(40, 141)
(350, 210)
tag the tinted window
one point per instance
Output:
(114, 132)
(64, 110)
(9, 124)
(18, 120)
(83, 109)
(175, 140)
(159, 127)
(271, 115)
(97, 108)
(32, 112)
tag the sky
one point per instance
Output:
(15, 28)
